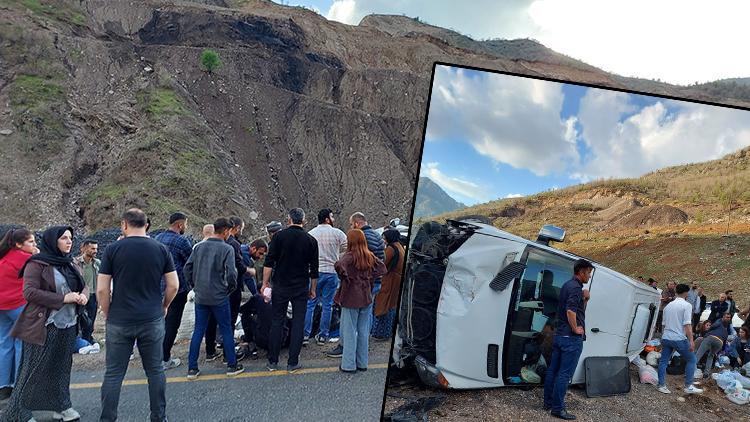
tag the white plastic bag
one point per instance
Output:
(639, 362)
(743, 380)
(725, 379)
(731, 388)
(740, 396)
(652, 358)
(648, 375)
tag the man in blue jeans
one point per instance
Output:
(331, 242)
(568, 341)
(129, 292)
(678, 336)
(212, 274)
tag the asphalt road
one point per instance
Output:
(319, 392)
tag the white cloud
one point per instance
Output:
(344, 11)
(509, 119)
(481, 20)
(674, 40)
(626, 141)
(514, 195)
(454, 185)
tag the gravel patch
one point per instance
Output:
(642, 403)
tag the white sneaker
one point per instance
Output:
(67, 415)
(663, 389)
(90, 349)
(692, 390)
(171, 364)
(333, 340)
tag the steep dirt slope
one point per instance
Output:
(108, 107)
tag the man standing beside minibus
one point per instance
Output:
(568, 341)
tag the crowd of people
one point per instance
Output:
(683, 330)
(50, 299)
(678, 321)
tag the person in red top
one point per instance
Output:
(16, 247)
(358, 269)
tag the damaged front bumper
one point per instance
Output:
(430, 374)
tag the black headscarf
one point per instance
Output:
(52, 255)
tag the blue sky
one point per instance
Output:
(321, 6)
(493, 136)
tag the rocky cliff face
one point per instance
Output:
(108, 107)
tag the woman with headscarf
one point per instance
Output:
(387, 299)
(357, 269)
(54, 290)
(16, 247)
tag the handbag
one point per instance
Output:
(84, 320)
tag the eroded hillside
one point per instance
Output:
(103, 105)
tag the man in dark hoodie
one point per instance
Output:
(714, 340)
(211, 273)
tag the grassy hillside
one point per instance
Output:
(684, 223)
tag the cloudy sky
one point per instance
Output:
(491, 136)
(678, 41)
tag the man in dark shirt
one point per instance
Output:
(568, 341)
(180, 249)
(732, 304)
(293, 260)
(249, 310)
(129, 292)
(718, 308)
(667, 296)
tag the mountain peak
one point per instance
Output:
(433, 200)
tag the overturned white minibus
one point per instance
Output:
(479, 306)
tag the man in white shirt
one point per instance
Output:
(331, 243)
(678, 336)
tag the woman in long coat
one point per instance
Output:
(54, 290)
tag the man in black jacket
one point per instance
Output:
(293, 261)
(718, 307)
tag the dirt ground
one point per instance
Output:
(642, 403)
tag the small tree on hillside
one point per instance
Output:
(210, 60)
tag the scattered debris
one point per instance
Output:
(413, 410)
